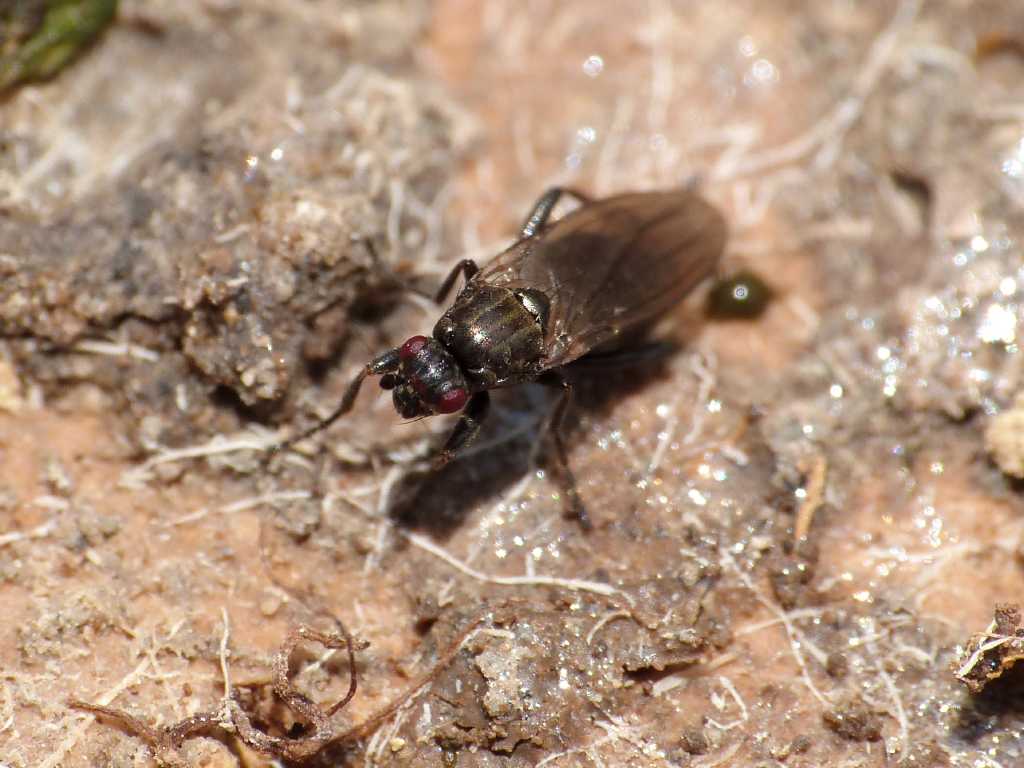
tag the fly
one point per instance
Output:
(567, 290)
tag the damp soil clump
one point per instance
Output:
(232, 257)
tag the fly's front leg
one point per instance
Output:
(466, 267)
(466, 430)
(544, 206)
(552, 430)
(385, 363)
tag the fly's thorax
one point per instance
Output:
(496, 333)
(428, 380)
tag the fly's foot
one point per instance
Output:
(573, 508)
(442, 459)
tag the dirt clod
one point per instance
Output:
(991, 654)
(694, 741)
(854, 720)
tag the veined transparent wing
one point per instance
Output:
(613, 264)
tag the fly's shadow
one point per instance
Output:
(437, 501)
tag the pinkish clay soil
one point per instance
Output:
(801, 536)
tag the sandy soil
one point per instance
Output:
(798, 523)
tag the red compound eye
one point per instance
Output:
(411, 347)
(453, 400)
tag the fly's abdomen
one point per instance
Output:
(492, 334)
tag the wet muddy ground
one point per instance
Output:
(801, 520)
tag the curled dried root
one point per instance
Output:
(233, 719)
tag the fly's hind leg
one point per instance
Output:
(467, 428)
(559, 457)
(542, 209)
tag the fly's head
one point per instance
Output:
(428, 380)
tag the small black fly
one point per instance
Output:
(565, 289)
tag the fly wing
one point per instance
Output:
(613, 264)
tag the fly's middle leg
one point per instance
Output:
(467, 428)
(541, 211)
(552, 430)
